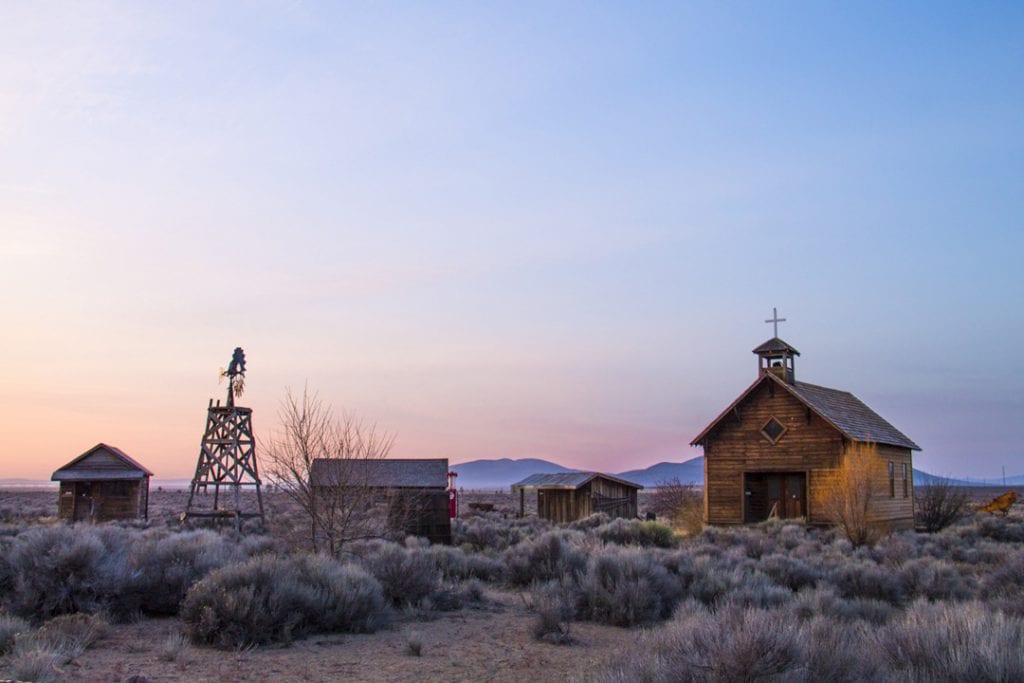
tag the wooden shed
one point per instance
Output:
(413, 493)
(568, 496)
(102, 484)
(773, 451)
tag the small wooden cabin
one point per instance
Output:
(568, 496)
(412, 492)
(101, 485)
(772, 452)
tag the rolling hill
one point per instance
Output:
(500, 474)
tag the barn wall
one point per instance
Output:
(613, 498)
(736, 446)
(597, 495)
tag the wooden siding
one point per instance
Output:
(103, 501)
(597, 495)
(809, 445)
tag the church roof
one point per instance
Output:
(844, 411)
(775, 345)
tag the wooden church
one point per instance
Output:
(772, 452)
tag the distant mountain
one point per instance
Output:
(922, 478)
(689, 472)
(500, 474)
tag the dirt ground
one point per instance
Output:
(490, 644)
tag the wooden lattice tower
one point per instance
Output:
(227, 459)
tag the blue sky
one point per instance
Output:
(513, 230)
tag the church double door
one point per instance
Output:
(774, 494)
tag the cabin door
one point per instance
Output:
(83, 501)
(774, 494)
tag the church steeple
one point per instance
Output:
(776, 356)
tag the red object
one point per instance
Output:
(453, 496)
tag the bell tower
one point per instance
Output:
(776, 356)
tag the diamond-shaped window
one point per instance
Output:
(773, 430)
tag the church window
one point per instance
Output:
(773, 430)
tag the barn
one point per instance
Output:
(568, 496)
(102, 484)
(773, 451)
(413, 493)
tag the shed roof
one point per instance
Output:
(382, 473)
(775, 345)
(566, 480)
(844, 411)
(101, 462)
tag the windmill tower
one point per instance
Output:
(227, 458)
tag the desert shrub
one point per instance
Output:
(269, 599)
(453, 563)
(492, 532)
(37, 665)
(57, 570)
(727, 645)
(636, 532)
(1002, 529)
(755, 589)
(961, 642)
(936, 580)
(407, 576)
(71, 634)
(1006, 580)
(625, 587)
(831, 650)
(163, 566)
(11, 628)
(790, 572)
(452, 597)
(554, 604)
(549, 556)
(681, 504)
(590, 522)
(940, 504)
(860, 579)
(123, 571)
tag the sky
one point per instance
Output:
(515, 230)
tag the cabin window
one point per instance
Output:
(773, 430)
(906, 482)
(892, 479)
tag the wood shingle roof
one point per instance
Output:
(566, 480)
(380, 473)
(844, 411)
(101, 462)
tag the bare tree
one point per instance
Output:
(321, 463)
(939, 504)
(682, 504)
(849, 490)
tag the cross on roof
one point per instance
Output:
(775, 320)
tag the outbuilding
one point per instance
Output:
(568, 496)
(773, 451)
(413, 493)
(101, 485)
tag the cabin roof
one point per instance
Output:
(380, 473)
(844, 411)
(774, 345)
(567, 480)
(122, 467)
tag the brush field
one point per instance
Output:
(511, 600)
